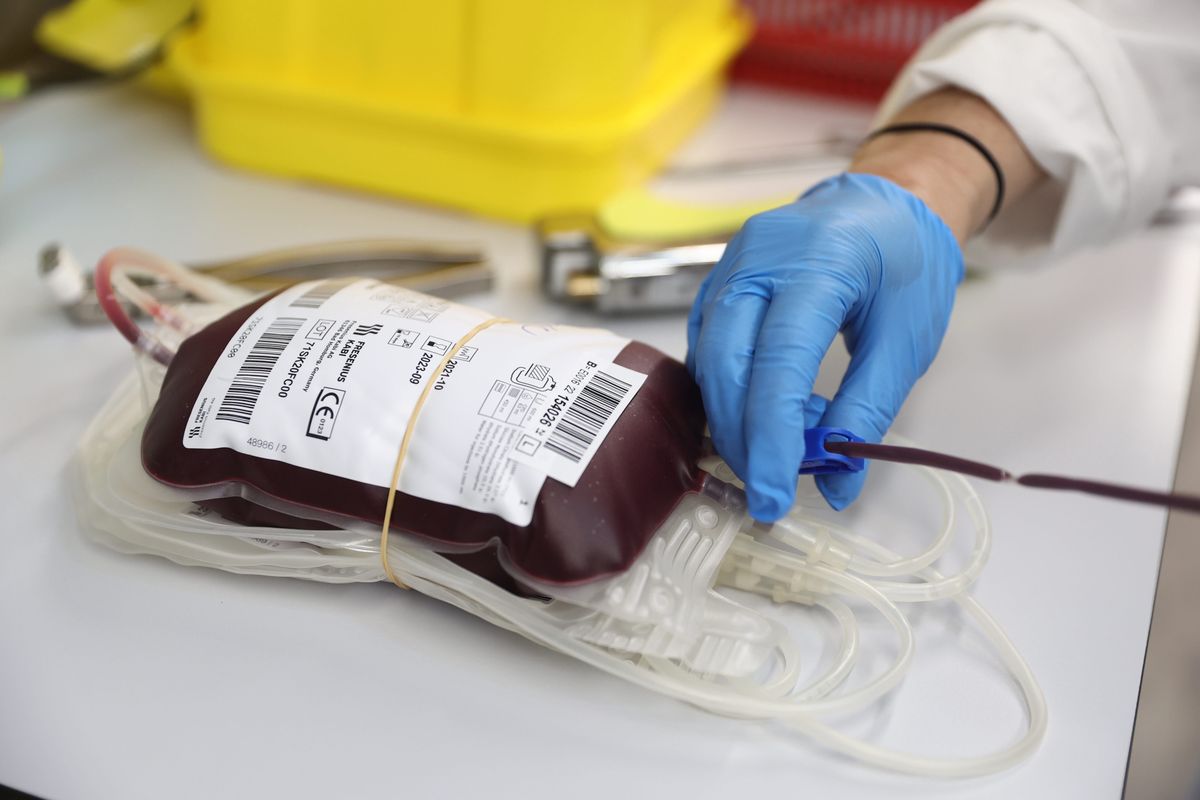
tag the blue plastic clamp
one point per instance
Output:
(819, 461)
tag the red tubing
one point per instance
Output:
(930, 458)
(115, 311)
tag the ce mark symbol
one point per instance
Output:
(324, 413)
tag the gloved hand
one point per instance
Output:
(856, 253)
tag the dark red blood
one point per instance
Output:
(598, 528)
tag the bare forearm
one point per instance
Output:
(953, 179)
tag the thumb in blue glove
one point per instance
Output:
(856, 254)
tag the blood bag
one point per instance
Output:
(299, 404)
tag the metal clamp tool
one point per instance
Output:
(581, 264)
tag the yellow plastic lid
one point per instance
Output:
(111, 35)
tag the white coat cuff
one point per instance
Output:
(1061, 79)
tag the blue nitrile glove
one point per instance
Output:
(856, 253)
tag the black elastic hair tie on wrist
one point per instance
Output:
(950, 130)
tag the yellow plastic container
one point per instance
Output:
(509, 108)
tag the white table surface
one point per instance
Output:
(130, 677)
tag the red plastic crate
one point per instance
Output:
(848, 48)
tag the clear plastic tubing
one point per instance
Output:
(515, 614)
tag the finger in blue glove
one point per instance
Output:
(855, 254)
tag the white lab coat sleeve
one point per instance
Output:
(1066, 77)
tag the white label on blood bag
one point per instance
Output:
(576, 419)
(326, 374)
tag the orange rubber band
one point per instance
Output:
(408, 432)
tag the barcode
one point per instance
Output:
(586, 416)
(318, 294)
(238, 403)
